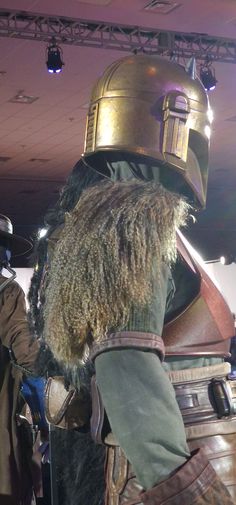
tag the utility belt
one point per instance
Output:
(206, 396)
(202, 398)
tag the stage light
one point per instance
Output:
(228, 259)
(223, 260)
(54, 58)
(207, 76)
(42, 232)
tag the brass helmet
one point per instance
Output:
(154, 108)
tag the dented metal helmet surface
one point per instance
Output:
(154, 108)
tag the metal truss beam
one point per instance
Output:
(65, 30)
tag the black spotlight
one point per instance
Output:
(207, 76)
(54, 58)
(228, 259)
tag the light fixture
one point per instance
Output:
(207, 75)
(224, 260)
(228, 259)
(42, 232)
(54, 58)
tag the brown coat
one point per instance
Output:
(15, 480)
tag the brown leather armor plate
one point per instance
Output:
(206, 325)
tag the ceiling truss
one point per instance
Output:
(65, 30)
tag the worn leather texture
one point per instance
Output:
(98, 413)
(121, 484)
(129, 339)
(208, 410)
(206, 400)
(206, 325)
(65, 408)
(221, 452)
(195, 482)
(204, 430)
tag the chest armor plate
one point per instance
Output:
(206, 325)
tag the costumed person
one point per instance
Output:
(20, 475)
(126, 291)
(76, 463)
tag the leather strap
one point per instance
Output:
(120, 479)
(212, 428)
(65, 408)
(205, 400)
(198, 373)
(98, 418)
(136, 339)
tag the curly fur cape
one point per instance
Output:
(103, 262)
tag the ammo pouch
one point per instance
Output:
(66, 408)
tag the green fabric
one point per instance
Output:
(124, 170)
(139, 398)
(151, 318)
(143, 413)
(182, 363)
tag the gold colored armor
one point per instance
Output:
(151, 107)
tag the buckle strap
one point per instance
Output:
(224, 396)
(207, 400)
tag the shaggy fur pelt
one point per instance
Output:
(78, 461)
(80, 468)
(81, 177)
(104, 261)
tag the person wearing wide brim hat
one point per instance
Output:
(18, 357)
(16, 244)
